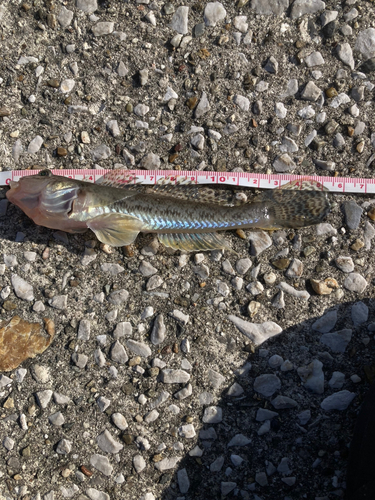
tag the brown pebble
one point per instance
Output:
(331, 92)
(8, 305)
(9, 403)
(157, 458)
(166, 350)
(172, 157)
(350, 131)
(51, 21)
(254, 123)
(20, 340)
(357, 245)
(175, 348)
(135, 361)
(281, 263)
(128, 250)
(26, 7)
(53, 82)
(371, 213)
(87, 472)
(45, 254)
(68, 100)
(192, 102)
(360, 146)
(4, 111)
(241, 233)
(178, 147)
(61, 151)
(49, 326)
(127, 438)
(324, 287)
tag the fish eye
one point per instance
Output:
(45, 173)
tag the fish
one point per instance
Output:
(184, 217)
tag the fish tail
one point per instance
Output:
(294, 209)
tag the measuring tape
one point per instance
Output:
(240, 179)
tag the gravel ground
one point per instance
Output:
(196, 376)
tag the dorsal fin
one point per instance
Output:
(183, 189)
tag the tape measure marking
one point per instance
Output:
(240, 179)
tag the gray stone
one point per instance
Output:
(314, 59)
(298, 294)
(226, 487)
(288, 145)
(35, 144)
(256, 332)
(284, 163)
(338, 141)
(275, 361)
(337, 380)
(65, 17)
(80, 360)
(337, 341)
(180, 20)
(267, 384)
(64, 447)
(88, 6)
(338, 401)
(358, 93)
(123, 329)
(214, 12)
(311, 92)
(40, 373)
(179, 316)
(120, 421)
(281, 111)
(203, 106)
(260, 241)
(359, 313)
(102, 464)
(243, 265)
(118, 353)
(101, 152)
(261, 478)
(169, 376)
(158, 330)
(355, 283)
(345, 54)
(326, 322)
(21, 288)
(212, 415)
(143, 76)
(150, 161)
(146, 269)
(113, 127)
(295, 269)
(138, 348)
(95, 494)
(122, 70)
(304, 417)
(215, 379)
(365, 43)
(312, 376)
(4, 381)
(235, 390)
(118, 297)
(302, 7)
(167, 463)
(183, 481)
(107, 443)
(197, 141)
(103, 28)
(283, 403)
(272, 66)
(103, 403)
(57, 419)
(139, 463)
(263, 414)
(59, 302)
(269, 7)
(84, 330)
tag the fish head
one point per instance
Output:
(46, 198)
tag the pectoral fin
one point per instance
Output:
(194, 242)
(115, 229)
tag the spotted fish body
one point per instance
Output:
(185, 218)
